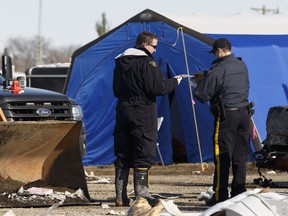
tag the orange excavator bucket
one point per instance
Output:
(47, 151)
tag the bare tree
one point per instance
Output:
(60, 54)
(102, 26)
(23, 52)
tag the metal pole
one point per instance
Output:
(192, 100)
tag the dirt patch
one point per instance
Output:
(183, 183)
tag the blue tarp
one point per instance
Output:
(91, 73)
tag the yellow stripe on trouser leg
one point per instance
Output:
(217, 158)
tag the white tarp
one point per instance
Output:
(234, 24)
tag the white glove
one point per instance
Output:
(194, 84)
(178, 78)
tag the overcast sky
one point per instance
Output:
(72, 22)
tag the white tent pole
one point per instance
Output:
(191, 97)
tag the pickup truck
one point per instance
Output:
(21, 103)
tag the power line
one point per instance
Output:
(39, 51)
(264, 10)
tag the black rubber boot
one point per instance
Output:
(141, 187)
(121, 181)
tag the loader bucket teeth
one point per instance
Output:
(47, 151)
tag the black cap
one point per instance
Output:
(220, 43)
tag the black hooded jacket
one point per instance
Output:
(137, 82)
(136, 75)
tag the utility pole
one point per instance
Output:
(39, 51)
(264, 10)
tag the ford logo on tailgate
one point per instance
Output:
(44, 112)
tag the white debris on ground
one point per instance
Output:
(9, 213)
(254, 202)
(272, 172)
(36, 193)
(92, 179)
(46, 195)
(173, 210)
(46, 213)
(206, 195)
(112, 212)
(105, 205)
(51, 208)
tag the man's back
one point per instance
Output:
(235, 82)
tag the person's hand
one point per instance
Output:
(178, 78)
(198, 76)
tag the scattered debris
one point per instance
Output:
(105, 205)
(166, 195)
(253, 202)
(171, 208)
(38, 194)
(206, 195)
(271, 172)
(39, 191)
(196, 172)
(9, 213)
(50, 209)
(92, 179)
(112, 212)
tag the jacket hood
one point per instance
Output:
(126, 59)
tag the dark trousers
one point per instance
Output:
(135, 135)
(231, 146)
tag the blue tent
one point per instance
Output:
(90, 83)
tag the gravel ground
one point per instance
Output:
(182, 182)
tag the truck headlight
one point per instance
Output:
(77, 113)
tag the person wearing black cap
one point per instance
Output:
(226, 86)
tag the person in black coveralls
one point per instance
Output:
(136, 83)
(226, 87)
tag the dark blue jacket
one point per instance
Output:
(228, 77)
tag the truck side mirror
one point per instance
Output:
(7, 67)
(6, 70)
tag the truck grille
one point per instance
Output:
(27, 111)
